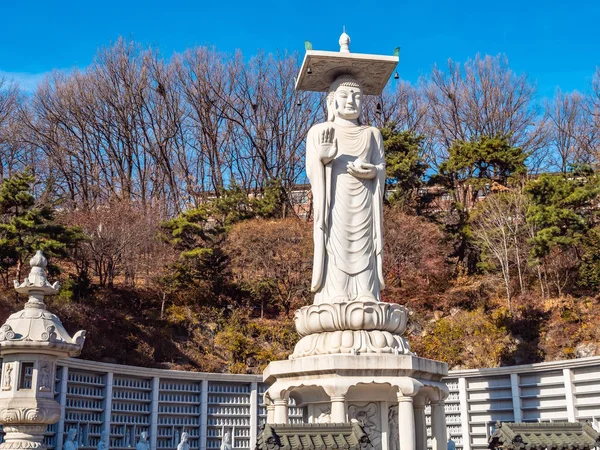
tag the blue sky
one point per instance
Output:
(557, 43)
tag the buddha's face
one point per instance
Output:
(348, 102)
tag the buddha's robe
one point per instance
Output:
(347, 216)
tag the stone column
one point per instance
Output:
(406, 423)
(438, 426)
(60, 429)
(203, 413)
(153, 413)
(253, 413)
(280, 414)
(338, 409)
(420, 424)
(270, 413)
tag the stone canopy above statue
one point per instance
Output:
(320, 68)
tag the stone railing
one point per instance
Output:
(126, 400)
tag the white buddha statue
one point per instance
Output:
(183, 444)
(226, 441)
(70, 443)
(346, 166)
(143, 443)
(103, 443)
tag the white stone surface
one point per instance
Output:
(320, 68)
(34, 328)
(363, 388)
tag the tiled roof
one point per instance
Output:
(321, 436)
(547, 435)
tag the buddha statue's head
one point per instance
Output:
(344, 99)
(184, 437)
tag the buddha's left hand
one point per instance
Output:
(365, 170)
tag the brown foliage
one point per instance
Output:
(122, 240)
(414, 253)
(273, 258)
(467, 339)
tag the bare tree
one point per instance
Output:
(482, 97)
(202, 74)
(572, 135)
(270, 121)
(414, 251)
(403, 105)
(499, 225)
(14, 154)
(273, 259)
(122, 241)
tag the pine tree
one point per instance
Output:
(405, 166)
(473, 168)
(26, 226)
(563, 208)
(198, 235)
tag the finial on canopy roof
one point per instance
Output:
(344, 42)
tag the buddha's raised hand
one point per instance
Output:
(327, 145)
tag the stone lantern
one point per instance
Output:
(31, 342)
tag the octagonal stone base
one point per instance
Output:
(385, 393)
(378, 367)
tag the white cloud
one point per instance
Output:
(27, 82)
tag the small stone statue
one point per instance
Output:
(226, 442)
(71, 443)
(44, 377)
(143, 443)
(7, 381)
(103, 442)
(324, 415)
(183, 444)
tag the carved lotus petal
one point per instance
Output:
(357, 315)
(351, 341)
